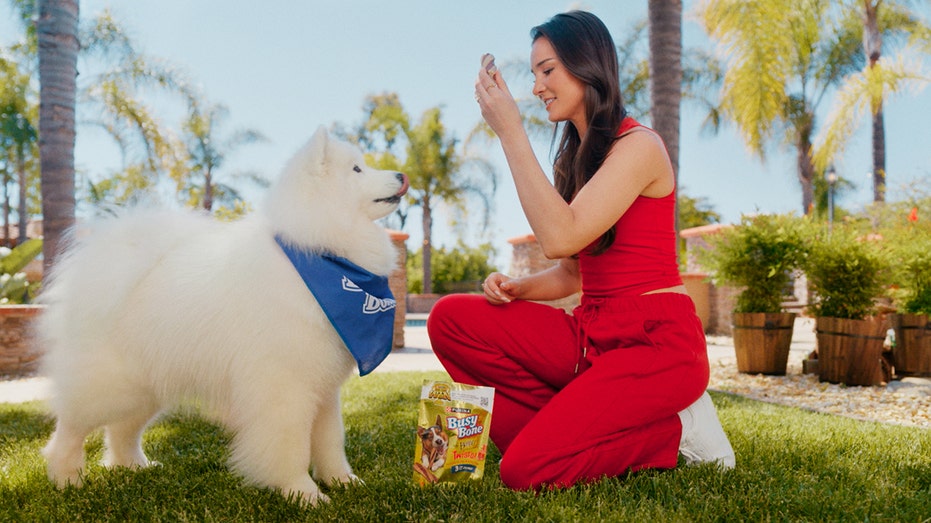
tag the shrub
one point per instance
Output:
(758, 255)
(460, 265)
(846, 273)
(910, 253)
(14, 286)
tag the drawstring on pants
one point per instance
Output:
(586, 313)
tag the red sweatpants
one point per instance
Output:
(577, 397)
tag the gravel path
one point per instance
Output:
(902, 402)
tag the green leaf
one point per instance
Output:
(20, 256)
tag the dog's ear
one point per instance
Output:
(318, 145)
(439, 421)
(420, 431)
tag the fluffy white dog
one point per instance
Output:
(157, 307)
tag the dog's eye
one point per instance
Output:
(356, 168)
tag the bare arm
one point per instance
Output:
(557, 282)
(635, 165)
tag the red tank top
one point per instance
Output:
(643, 255)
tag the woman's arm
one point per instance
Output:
(635, 165)
(557, 282)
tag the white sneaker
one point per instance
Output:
(703, 439)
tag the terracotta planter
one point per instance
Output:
(762, 340)
(912, 350)
(850, 351)
(18, 354)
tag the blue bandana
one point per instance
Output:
(358, 303)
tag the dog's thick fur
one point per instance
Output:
(157, 307)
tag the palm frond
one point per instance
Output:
(854, 100)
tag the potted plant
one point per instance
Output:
(846, 273)
(758, 256)
(17, 354)
(910, 248)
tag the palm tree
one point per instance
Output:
(57, 31)
(113, 97)
(438, 171)
(877, 21)
(784, 56)
(207, 153)
(18, 137)
(666, 72)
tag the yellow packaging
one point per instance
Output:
(452, 432)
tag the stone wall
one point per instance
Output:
(397, 281)
(19, 355)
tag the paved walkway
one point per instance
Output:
(418, 355)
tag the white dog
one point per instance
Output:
(154, 308)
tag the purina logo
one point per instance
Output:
(372, 305)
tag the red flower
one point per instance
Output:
(913, 216)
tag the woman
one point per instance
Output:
(618, 385)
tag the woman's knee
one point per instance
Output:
(442, 314)
(515, 475)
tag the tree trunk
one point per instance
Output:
(6, 211)
(806, 171)
(57, 29)
(208, 189)
(879, 155)
(22, 208)
(666, 74)
(872, 48)
(427, 251)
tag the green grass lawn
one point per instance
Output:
(792, 465)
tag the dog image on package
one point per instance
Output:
(452, 432)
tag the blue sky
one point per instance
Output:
(285, 67)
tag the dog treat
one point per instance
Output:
(488, 62)
(452, 432)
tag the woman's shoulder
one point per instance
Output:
(630, 126)
(643, 152)
(638, 136)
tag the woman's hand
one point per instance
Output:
(496, 103)
(500, 288)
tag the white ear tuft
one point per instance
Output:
(318, 144)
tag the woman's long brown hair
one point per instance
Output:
(585, 47)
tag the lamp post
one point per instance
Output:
(832, 179)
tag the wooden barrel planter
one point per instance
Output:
(912, 350)
(762, 341)
(850, 351)
(18, 354)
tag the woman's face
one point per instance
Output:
(561, 93)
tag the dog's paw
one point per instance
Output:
(61, 479)
(308, 498)
(355, 480)
(315, 499)
(304, 490)
(347, 478)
